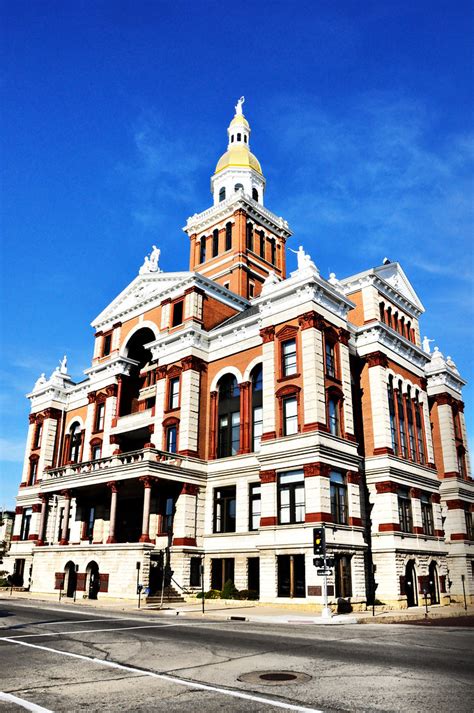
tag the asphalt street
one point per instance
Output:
(53, 658)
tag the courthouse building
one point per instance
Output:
(232, 408)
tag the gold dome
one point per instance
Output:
(241, 120)
(238, 155)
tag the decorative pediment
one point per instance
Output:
(145, 289)
(393, 274)
(287, 332)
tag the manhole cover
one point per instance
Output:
(278, 676)
(274, 677)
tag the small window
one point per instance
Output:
(232, 139)
(334, 419)
(288, 356)
(224, 509)
(245, 138)
(171, 439)
(96, 451)
(469, 528)
(255, 490)
(107, 345)
(228, 236)
(173, 400)
(338, 498)
(177, 313)
(238, 187)
(255, 194)
(404, 511)
(215, 243)
(227, 285)
(38, 434)
(26, 523)
(33, 471)
(330, 359)
(291, 505)
(239, 137)
(273, 252)
(251, 290)
(222, 195)
(427, 515)
(99, 417)
(202, 249)
(290, 415)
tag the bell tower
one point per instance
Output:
(237, 242)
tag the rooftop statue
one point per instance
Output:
(150, 263)
(238, 106)
(40, 381)
(426, 345)
(63, 365)
(304, 259)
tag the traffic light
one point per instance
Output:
(319, 541)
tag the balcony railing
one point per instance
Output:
(121, 460)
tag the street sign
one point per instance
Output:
(324, 572)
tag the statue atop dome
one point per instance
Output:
(238, 106)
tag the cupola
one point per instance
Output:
(238, 169)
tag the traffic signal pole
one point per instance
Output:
(326, 612)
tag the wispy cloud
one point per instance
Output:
(379, 177)
(163, 169)
(12, 450)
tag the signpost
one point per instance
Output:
(322, 562)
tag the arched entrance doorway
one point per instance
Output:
(433, 583)
(93, 580)
(70, 576)
(411, 584)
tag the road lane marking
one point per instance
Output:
(87, 631)
(170, 679)
(9, 698)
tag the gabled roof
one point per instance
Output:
(393, 275)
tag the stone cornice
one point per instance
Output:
(371, 337)
(200, 222)
(358, 282)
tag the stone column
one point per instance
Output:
(42, 521)
(213, 425)
(353, 498)
(268, 352)
(113, 511)
(314, 395)
(190, 401)
(184, 524)
(268, 511)
(245, 418)
(29, 444)
(147, 483)
(67, 509)
(377, 363)
(345, 368)
(317, 492)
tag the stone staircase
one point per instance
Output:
(171, 596)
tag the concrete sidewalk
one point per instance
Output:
(233, 610)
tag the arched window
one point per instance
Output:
(411, 428)
(232, 139)
(75, 439)
(228, 236)
(257, 410)
(272, 251)
(401, 421)
(215, 242)
(389, 316)
(33, 472)
(202, 249)
(393, 417)
(245, 138)
(222, 195)
(402, 326)
(395, 321)
(38, 434)
(255, 194)
(132, 398)
(334, 415)
(382, 311)
(239, 137)
(238, 187)
(170, 435)
(419, 430)
(249, 236)
(228, 415)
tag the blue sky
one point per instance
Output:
(115, 113)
